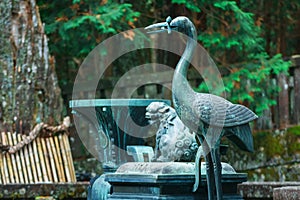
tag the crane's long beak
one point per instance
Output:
(158, 28)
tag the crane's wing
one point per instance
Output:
(241, 136)
(217, 111)
(237, 115)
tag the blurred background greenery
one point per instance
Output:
(250, 41)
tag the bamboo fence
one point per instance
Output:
(45, 160)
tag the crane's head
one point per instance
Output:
(181, 24)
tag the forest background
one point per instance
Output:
(251, 42)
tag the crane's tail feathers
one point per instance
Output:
(241, 136)
(198, 168)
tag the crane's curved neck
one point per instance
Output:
(184, 62)
(180, 85)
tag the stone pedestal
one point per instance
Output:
(167, 181)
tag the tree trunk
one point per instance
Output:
(29, 89)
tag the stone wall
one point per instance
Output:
(276, 156)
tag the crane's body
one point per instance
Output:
(210, 116)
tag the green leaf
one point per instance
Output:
(224, 5)
(189, 4)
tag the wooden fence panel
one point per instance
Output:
(45, 160)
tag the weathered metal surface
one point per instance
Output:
(118, 123)
(171, 180)
(168, 168)
(99, 189)
(174, 141)
(211, 117)
(140, 153)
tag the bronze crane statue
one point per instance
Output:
(210, 116)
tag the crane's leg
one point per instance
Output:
(215, 153)
(209, 168)
(210, 177)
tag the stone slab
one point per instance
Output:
(290, 193)
(261, 190)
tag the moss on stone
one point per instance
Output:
(295, 130)
(269, 143)
(293, 140)
(275, 157)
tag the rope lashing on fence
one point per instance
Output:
(46, 129)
